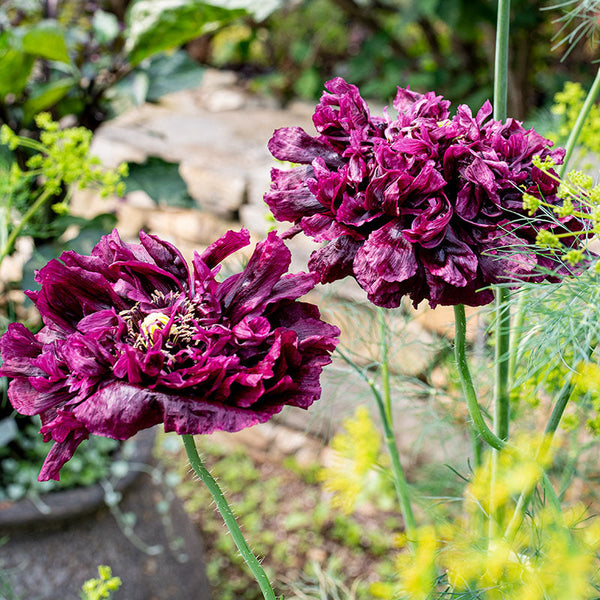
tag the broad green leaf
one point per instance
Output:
(161, 181)
(106, 26)
(128, 93)
(15, 68)
(259, 9)
(309, 83)
(46, 96)
(46, 40)
(157, 25)
(171, 73)
(15, 65)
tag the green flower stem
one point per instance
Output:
(581, 118)
(400, 482)
(501, 60)
(501, 380)
(477, 419)
(502, 359)
(501, 391)
(551, 427)
(515, 336)
(385, 368)
(228, 517)
(14, 234)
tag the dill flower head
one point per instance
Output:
(422, 204)
(133, 337)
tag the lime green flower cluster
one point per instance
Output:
(356, 466)
(102, 587)
(567, 106)
(549, 557)
(60, 160)
(581, 200)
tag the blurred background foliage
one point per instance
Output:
(89, 60)
(441, 45)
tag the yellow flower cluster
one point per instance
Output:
(357, 452)
(581, 199)
(551, 556)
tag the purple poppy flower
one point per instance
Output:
(132, 337)
(423, 204)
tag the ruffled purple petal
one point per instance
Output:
(252, 288)
(415, 204)
(295, 145)
(131, 341)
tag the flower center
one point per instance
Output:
(179, 320)
(153, 322)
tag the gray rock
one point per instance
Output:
(221, 192)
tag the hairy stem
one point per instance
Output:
(501, 394)
(466, 381)
(228, 517)
(502, 360)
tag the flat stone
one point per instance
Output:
(88, 203)
(221, 192)
(188, 225)
(224, 100)
(131, 220)
(254, 218)
(140, 199)
(259, 182)
(113, 151)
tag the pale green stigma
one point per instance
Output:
(153, 322)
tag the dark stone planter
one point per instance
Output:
(49, 556)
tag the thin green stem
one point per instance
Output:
(385, 367)
(501, 392)
(516, 331)
(10, 240)
(228, 517)
(479, 424)
(502, 358)
(501, 60)
(551, 427)
(400, 482)
(579, 123)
